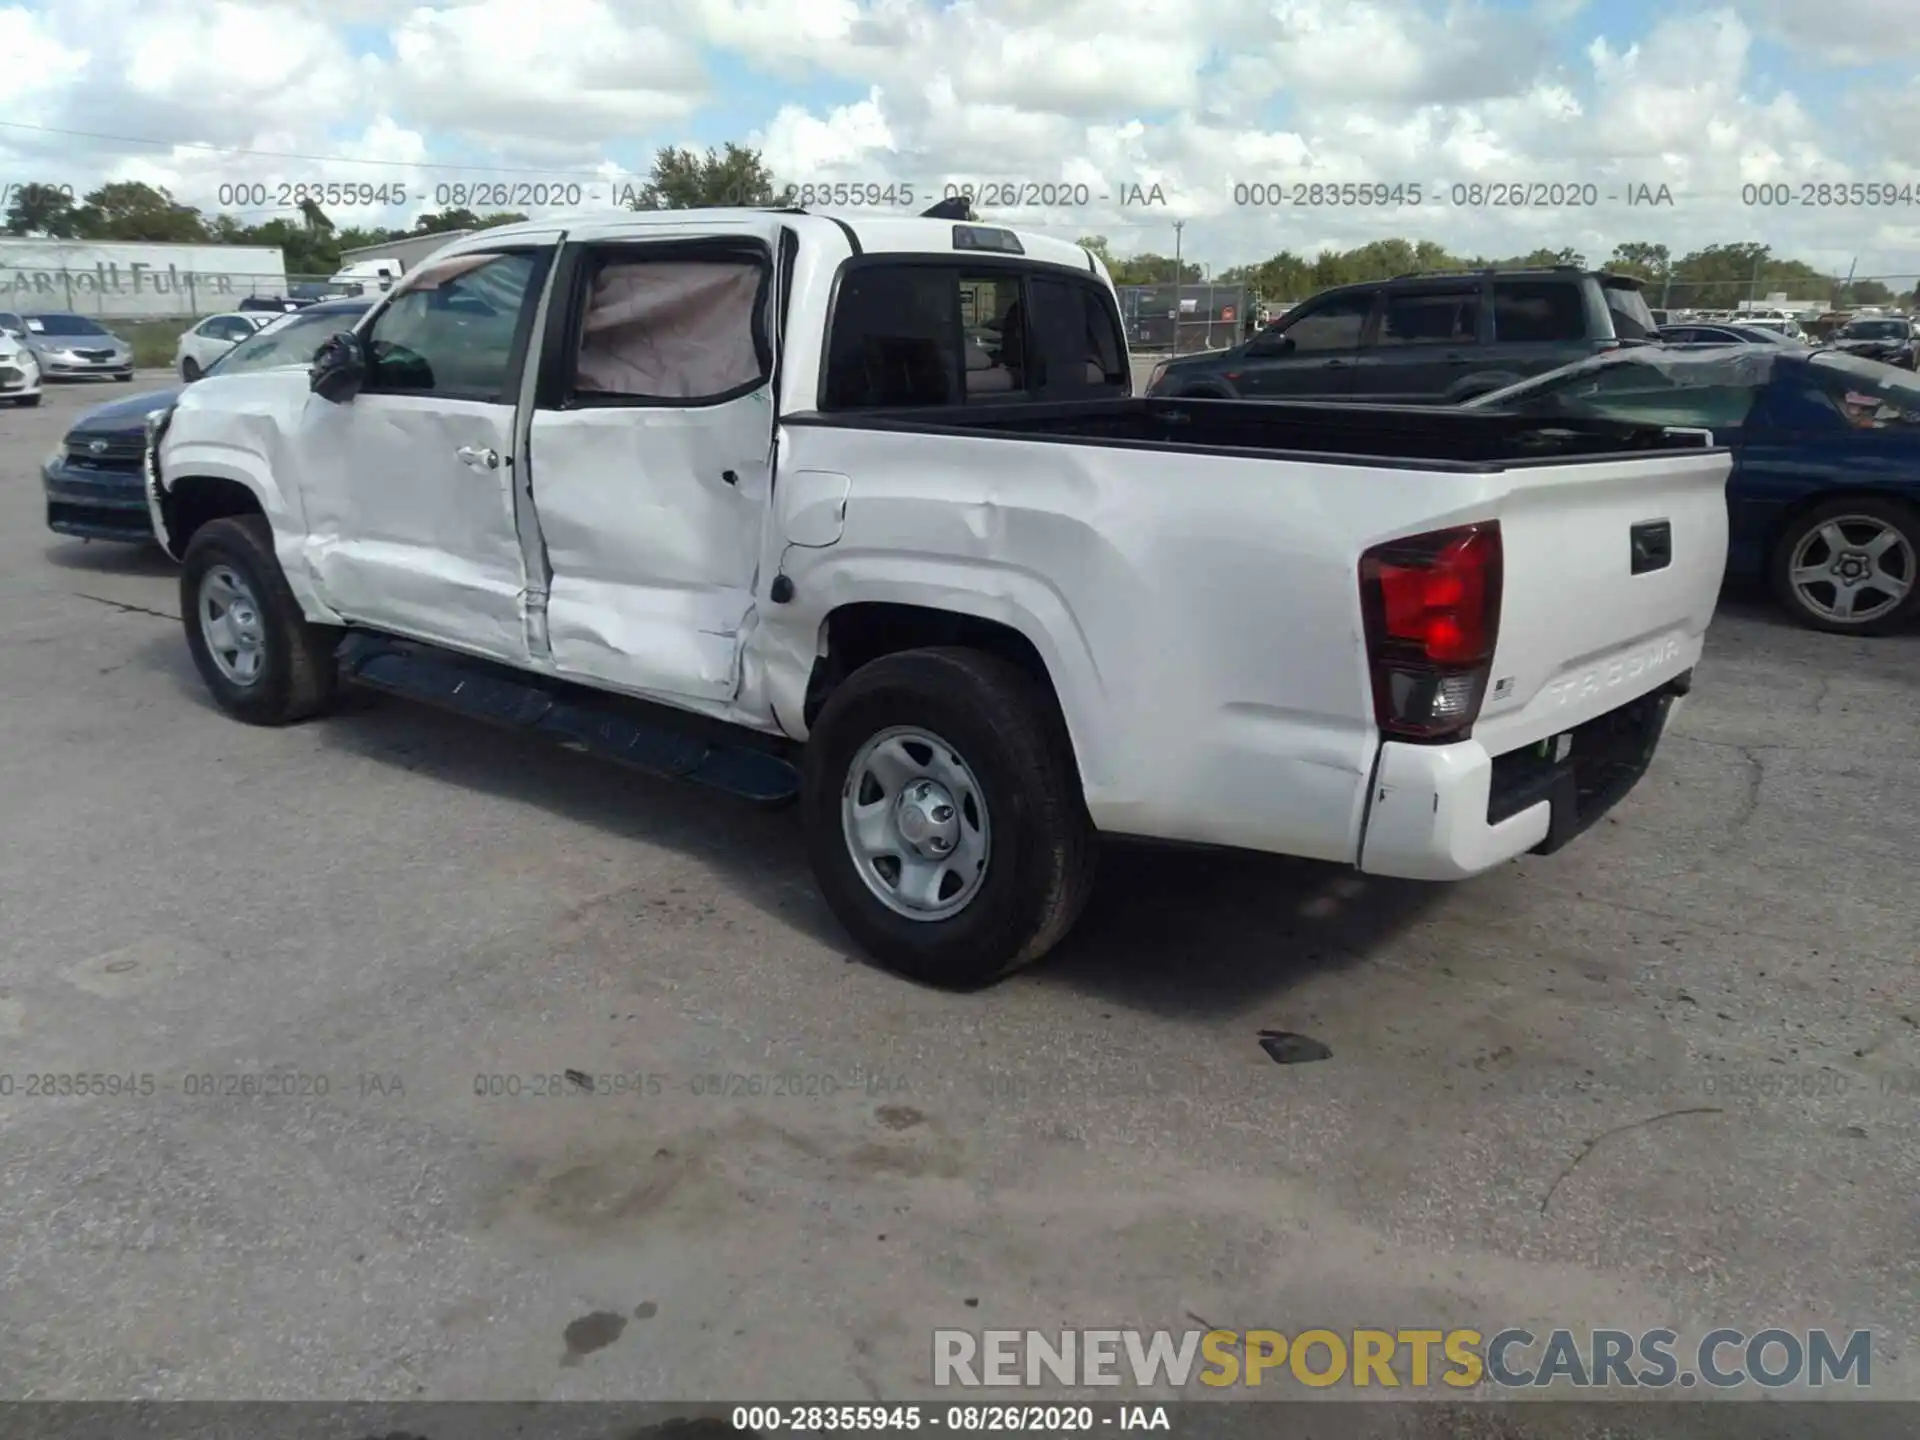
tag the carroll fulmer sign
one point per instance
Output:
(132, 280)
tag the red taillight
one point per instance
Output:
(1431, 604)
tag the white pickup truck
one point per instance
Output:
(864, 513)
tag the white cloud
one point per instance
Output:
(1108, 93)
(1841, 32)
(542, 69)
(39, 63)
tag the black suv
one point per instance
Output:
(1425, 339)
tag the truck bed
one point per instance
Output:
(1418, 436)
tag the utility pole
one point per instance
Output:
(1179, 283)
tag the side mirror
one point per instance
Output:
(1267, 343)
(339, 369)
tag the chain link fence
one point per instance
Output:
(109, 292)
(1832, 292)
(1184, 319)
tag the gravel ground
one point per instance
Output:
(1669, 1076)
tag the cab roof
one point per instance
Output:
(878, 234)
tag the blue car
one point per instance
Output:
(1823, 505)
(93, 483)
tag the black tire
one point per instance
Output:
(27, 402)
(189, 370)
(297, 673)
(1043, 849)
(1891, 513)
(125, 377)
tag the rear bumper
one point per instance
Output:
(1447, 812)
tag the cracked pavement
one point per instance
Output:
(411, 915)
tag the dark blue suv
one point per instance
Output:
(94, 483)
(1436, 338)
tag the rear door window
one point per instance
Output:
(1537, 312)
(1437, 318)
(662, 326)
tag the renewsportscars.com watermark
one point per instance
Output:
(1392, 1359)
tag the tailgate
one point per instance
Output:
(1611, 573)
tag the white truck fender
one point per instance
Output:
(184, 463)
(827, 580)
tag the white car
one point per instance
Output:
(735, 463)
(19, 368)
(214, 336)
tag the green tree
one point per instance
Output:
(1865, 292)
(439, 222)
(1151, 268)
(684, 180)
(1719, 277)
(1101, 248)
(314, 218)
(135, 210)
(43, 210)
(1642, 260)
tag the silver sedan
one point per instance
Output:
(69, 346)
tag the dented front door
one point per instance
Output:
(409, 485)
(651, 448)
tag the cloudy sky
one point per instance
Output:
(1194, 98)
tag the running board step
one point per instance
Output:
(466, 688)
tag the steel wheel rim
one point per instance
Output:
(915, 822)
(1850, 557)
(232, 625)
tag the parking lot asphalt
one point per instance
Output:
(1669, 1076)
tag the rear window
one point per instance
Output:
(1536, 311)
(929, 334)
(1651, 391)
(1632, 320)
(1076, 341)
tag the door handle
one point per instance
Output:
(486, 459)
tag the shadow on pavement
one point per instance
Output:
(1176, 931)
(111, 557)
(1206, 933)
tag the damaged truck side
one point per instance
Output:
(864, 513)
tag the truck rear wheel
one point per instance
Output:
(261, 660)
(944, 817)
